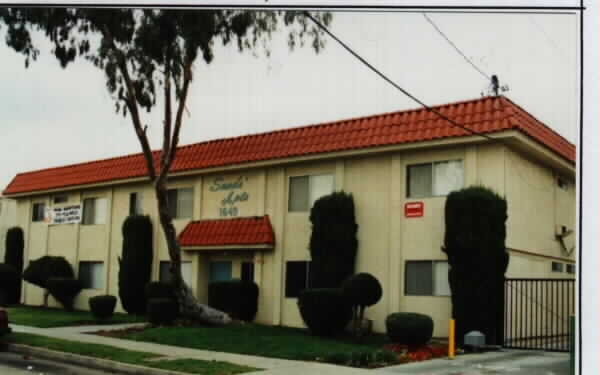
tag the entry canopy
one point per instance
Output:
(242, 233)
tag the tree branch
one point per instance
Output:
(132, 105)
(167, 150)
(187, 78)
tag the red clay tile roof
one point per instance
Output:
(236, 231)
(483, 115)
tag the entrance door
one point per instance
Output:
(220, 271)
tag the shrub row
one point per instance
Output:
(238, 298)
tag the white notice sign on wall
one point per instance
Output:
(64, 215)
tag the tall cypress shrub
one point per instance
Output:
(14, 256)
(333, 242)
(135, 264)
(474, 242)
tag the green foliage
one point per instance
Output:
(153, 44)
(10, 282)
(135, 266)
(40, 270)
(325, 311)
(162, 311)
(474, 242)
(409, 328)
(161, 290)
(361, 290)
(236, 297)
(102, 307)
(64, 290)
(333, 242)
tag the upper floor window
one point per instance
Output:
(305, 190)
(135, 204)
(38, 210)
(434, 179)
(180, 202)
(61, 199)
(91, 275)
(94, 211)
(426, 278)
(557, 267)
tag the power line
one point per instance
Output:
(365, 62)
(455, 47)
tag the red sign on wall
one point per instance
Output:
(413, 209)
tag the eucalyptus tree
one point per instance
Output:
(150, 53)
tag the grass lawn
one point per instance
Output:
(42, 317)
(192, 366)
(254, 339)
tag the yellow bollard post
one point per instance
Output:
(451, 340)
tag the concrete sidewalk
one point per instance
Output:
(514, 362)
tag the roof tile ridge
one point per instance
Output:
(519, 111)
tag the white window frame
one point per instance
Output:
(176, 208)
(95, 284)
(434, 292)
(100, 209)
(433, 178)
(311, 199)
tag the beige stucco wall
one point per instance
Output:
(387, 240)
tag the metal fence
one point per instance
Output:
(536, 313)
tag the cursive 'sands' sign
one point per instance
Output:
(233, 194)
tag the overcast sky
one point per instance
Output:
(53, 117)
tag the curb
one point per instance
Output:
(91, 362)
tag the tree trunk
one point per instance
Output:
(189, 305)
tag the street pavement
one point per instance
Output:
(18, 364)
(514, 362)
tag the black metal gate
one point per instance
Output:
(536, 313)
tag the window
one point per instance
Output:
(570, 268)
(135, 204)
(305, 190)
(91, 275)
(434, 179)
(426, 278)
(164, 273)
(94, 211)
(247, 273)
(557, 267)
(38, 211)
(219, 271)
(180, 202)
(61, 199)
(297, 278)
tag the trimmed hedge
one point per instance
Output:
(409, 328)
(135, 266)
(236, 297)
(160, 290)
(10, 282)
(333, 243)
(474, 242)
(102, 307)
(14, 256)
(325, 311)
(40, 270)
(64, 290)
(162, 311)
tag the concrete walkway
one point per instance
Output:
(514, 362)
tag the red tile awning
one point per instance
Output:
(235, 233)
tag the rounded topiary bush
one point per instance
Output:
(409, 328)
(64, 290)
(102, 307)
(362, 289)
(325, 311)
(41, 269)
(161, 290)
(162, 311)
(10, 284)
(236, 297)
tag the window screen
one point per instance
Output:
(94, 211)
(91, 275)
(557, 267)
(570, 268)
(296, 278)
(299, 195)
(135, 204)
(434, 179)
(180, 202)
(418, 278)
(319, 186)
(38, 211)
(420, 180)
